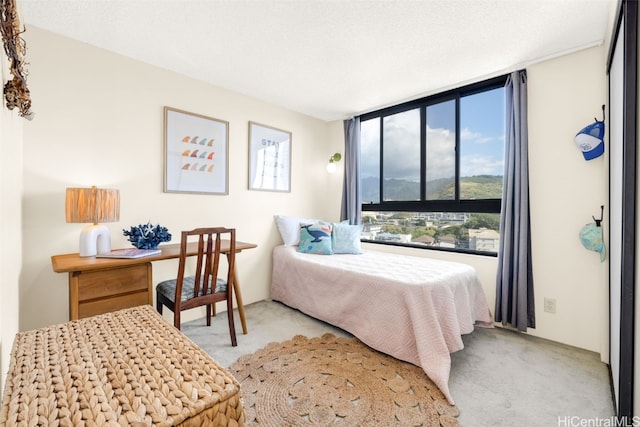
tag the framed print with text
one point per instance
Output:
(196, 153)
(269, 158)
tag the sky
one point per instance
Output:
(481, 140)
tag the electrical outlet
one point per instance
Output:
(550, 305)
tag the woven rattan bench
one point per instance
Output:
(127, 368)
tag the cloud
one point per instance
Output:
(370, 148)
(402, 146)
(466, 134)
(441, 160)
(481, 165)
(482, 154)
(478, 137)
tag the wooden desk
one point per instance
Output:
(103, 285)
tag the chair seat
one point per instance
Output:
(167, 288)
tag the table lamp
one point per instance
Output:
(93, 205)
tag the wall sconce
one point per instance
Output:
(93, 205)
(331, 166)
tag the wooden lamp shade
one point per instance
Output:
(93, 205)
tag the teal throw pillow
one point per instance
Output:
(315, 239)
(346, 239)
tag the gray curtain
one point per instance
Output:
(514, 287)
(351, 192)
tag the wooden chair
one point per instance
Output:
(204, 287)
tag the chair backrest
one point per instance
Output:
(210, 242)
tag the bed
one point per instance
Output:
(412, 308)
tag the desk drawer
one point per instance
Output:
(107, 305)
(117, 281)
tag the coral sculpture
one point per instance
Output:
(147, 236)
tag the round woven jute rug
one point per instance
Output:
(336, 381)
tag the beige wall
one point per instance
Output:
(99, 121)
(565, 95)
(10, 223)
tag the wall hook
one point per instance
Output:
(599, 221)
(603, 116)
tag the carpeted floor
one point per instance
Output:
(500, 378)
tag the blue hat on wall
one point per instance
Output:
(592, 239)
(591, 140)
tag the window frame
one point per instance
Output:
(454, 205)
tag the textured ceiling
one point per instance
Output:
(331, 59)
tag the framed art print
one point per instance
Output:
(196, 153)
(269, 158)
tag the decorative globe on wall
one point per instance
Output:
(147, 236)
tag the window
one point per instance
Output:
(432, 169)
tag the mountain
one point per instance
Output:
(471, 187)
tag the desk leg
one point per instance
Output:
(236, 289)
(150, 284)
(74, 283)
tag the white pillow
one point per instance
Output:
(289, 228)
(345, 238)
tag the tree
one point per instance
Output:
(482, 220)
(393, 229)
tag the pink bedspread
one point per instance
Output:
(414, 309)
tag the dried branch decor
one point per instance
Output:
(15, 90)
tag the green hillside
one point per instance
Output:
(472, 187)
